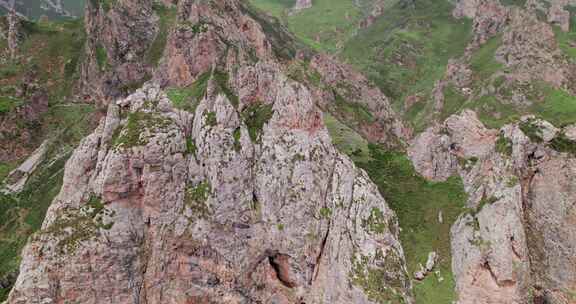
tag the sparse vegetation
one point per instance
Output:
(417, 203)
(504, 145)
(211, 119)
(255, 116)
(407, 49)
(167, 20)
(237, 145)
(483, 62)
(138, 126)
(562, 143)
(101, 57)
(196, 197)
(188, 98)
(532, 131)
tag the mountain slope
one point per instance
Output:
(238, 162)
(240, 197)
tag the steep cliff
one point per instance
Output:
(227, 189)
(119, 36)
(238, 163)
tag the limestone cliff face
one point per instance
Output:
(240, 199)
(164, 206)
(513, 246)
(120, 34)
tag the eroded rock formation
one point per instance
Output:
(242, 198)
(512, 247)
(120, 35)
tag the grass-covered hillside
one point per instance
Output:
(327, 26)
(47, 62)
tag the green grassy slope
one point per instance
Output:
(406, 51)
(53, 51)
(327, 26)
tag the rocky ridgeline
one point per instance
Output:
(242, 198)
(160, 205)
(516, 243)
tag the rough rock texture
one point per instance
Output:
(202, 40)
(14, 34)
(302, 4)
(529, 48)
(513, 246)
(141, 218)
(349, 86)
(245, 200)
(120, 33)
(15, 141)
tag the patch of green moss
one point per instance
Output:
(102, 57)
(255, 116)
(132, 134)
(532, 131)
(562, 143)
(504, 145)
(483, 202)
(196, 196)
(211, 119)
(325, 212)
(221, 79)
(190, 146)
(188, 98)
(237, 145)
(9, 103)
(167, 17)
(453, 102)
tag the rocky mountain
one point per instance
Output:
(271, 151)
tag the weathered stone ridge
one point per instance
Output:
(161, 205)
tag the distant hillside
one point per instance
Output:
(53, 9)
